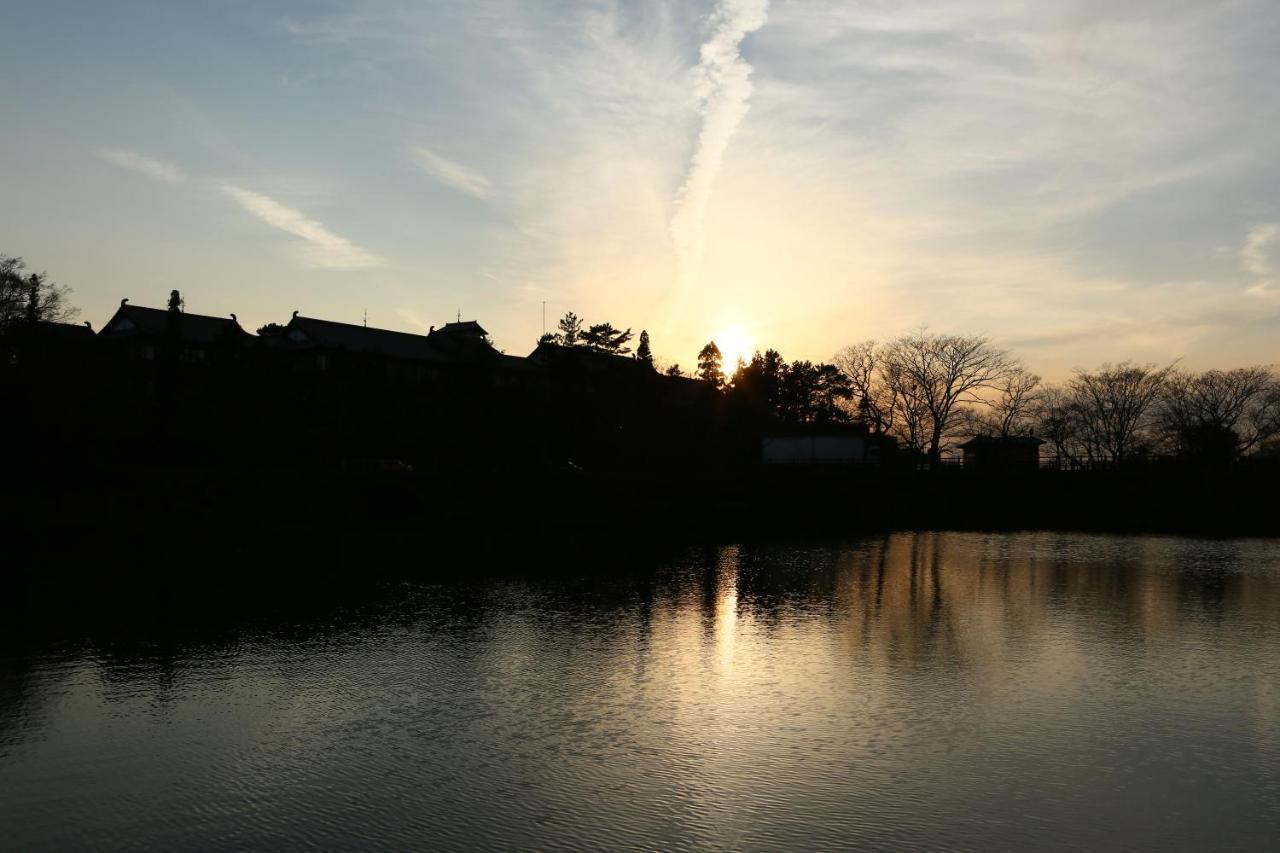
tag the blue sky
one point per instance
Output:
(1083, 181)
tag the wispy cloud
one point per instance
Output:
(451, 173)
(142, 165)
(322, 249)
(724, 94)
(1255, 256)
(413, 319)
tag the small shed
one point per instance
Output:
(1004, 454)
(813, 450)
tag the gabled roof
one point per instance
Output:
(1001, 441)
(464, 342)
(137, 321)
(70, 332)
(464, 327)
(552, 354)
(309, 331)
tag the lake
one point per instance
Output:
(973, 691)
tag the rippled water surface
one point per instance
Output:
(924, 691)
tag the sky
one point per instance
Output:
(1082, 181)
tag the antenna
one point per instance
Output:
(366, 318)
(459, 315)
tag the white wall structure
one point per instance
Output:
(813, 450)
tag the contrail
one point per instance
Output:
(724, 94)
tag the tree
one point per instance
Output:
(673, 370)
(603, 337)
(570, 333)
(1014, 408)
(936, 374)
(876, 401)
(813, 393)
(270, 330)
(30, 297)
(759, 380)
(1219, 413)
(643, 352)
(1115, 402)
(1059, 418)
(710, 365)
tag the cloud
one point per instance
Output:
(142, 164)
(413, 319)
(1255, 256)
(452, 174)
(1264, 290)
(724, 92)
(322, 248)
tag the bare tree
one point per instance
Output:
(1224, 411)
(876, 403)
(1015, 405)
(935, 375)
(1059, 418)
(1115, 403)
(30, 297)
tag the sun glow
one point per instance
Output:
(734, 344)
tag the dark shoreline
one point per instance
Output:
(167, 523)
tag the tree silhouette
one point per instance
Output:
(1017, 401)
(570, 333)
(643, 352)
(878, 403)
(1116, 403)
(1220, 413)
(30, 297)
(938, 375)
(710, 365)
(270, 330)
(813, 393)
(603, 337)
(759, 380)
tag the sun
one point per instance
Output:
(734, 343)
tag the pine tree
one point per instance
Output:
(643, 352)
(603, 337)
(711, 365)
(570, 333)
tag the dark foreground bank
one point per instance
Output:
(122, 519)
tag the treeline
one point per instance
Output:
(926, 390)
(930, 391)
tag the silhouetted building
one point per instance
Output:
(148, 334)
(1005, 454)
(812, 450)
(47, 342)
(823, 444)
(328, 344)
